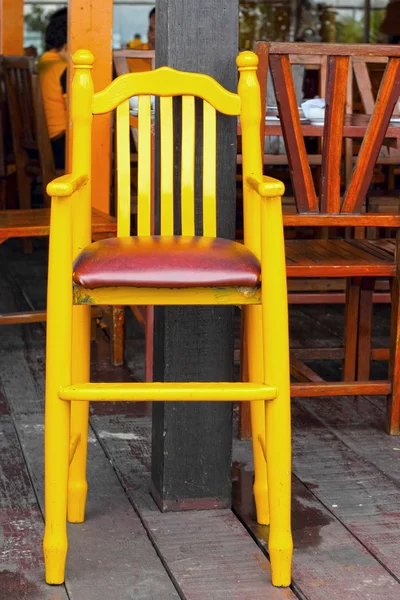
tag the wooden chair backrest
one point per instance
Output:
(311, 61)
(31, 142)
(331, 202)
(152, 83)
(363, 81)
(120, 59)
(175, 90)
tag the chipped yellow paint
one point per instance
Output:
(125, 296)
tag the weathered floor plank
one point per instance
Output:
(328, 562)
(365, 500)
(21, 525)
(110, 555)
(208, 553)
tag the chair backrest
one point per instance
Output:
(333, 202)
(124, 60)
(173, 88)
(31, 142)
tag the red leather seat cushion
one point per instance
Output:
(166, 262)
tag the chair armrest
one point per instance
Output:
(66, 185)
(267, 187)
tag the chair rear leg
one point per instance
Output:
(3, 194)
(253, 335)
(364, 333)
(352, 307)
(393, 400)
(117, 335)
(77, 483)
(149, 342)
(25, 203)
(244, 432)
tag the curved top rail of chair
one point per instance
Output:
(314, 49)
(166, 82)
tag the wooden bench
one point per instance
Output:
(36, 223)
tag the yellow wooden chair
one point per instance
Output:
(165, 270)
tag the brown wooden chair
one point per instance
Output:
(360, 262)
(121, 58)
(7, 165)
(33, 158)
(31, 143)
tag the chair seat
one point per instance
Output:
(160, 261)
(340, 258)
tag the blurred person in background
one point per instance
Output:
(141, 65)
(391, 23)
(52, 72)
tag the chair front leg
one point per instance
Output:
(277, 372)
(393, 400)
(58, 373)
(57, 433)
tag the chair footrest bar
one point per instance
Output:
(344, 388)
(164, 392)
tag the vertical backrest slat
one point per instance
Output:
(167, 166)
(123, 170)
(187, 166)
(209, 170)
(387, 97)
(323, 75)
(306, 198)
(348, 143)
(364, 85)
(335, 98)
(144, 166)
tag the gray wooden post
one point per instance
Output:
(191, 457)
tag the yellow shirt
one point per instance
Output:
(140, 65)
(52, 72)
(135, 45)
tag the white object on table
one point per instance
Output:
(314, 110)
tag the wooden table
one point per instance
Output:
(36, 223)
(355, 126)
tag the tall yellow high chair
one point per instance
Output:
(165, 270)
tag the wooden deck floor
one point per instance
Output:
(346, 497)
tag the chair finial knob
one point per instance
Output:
(83, 59)
(247, 61)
